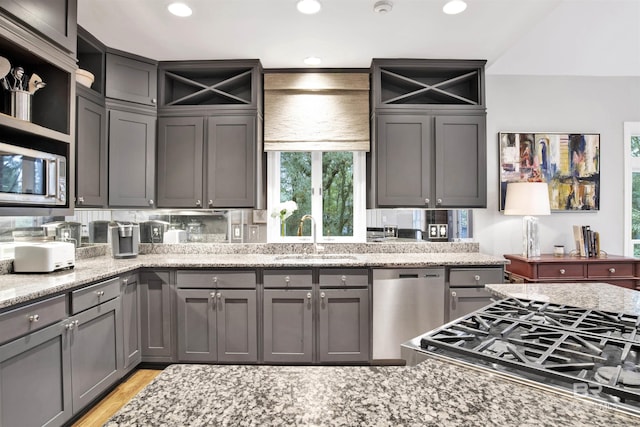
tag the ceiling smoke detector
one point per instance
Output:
(382, 6)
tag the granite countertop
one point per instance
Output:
(20, 288)
(433, 393)
(599, 296)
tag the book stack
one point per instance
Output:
(587, 241)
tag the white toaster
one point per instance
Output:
(44, 257)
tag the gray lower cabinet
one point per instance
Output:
(155, 316)
(288, 325)
(132, 342)
(217, 325)
(91, 160)
(96, 351)
(132, 154)
(35, 374)
(430, 161)
(343, 326)
(466, 291)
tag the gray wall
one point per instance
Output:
(559, 104)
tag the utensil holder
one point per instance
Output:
(21, 104)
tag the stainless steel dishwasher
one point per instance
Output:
(406, 303)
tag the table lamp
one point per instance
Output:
(528, 199)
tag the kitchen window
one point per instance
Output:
(329, 186)
(632, 189)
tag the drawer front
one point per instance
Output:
(475, 276)
(331, 278)
(93, 295)
(560, 271)
(215, 279)
(609, 270)
(288, 278)
(32, 317)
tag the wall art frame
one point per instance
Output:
(568, 162)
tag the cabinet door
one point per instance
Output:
(288, 329)
(196, 325)
(96, 352)
(404, 160)
(36, 379)
(180, 150)
(132, 348)
(237, 325)
(231, 161)
(132, 139)
(463, 301)
(461, 161)
(91, 161)
(131, 80)
(344, 325)
(55, 19)
(155, 316)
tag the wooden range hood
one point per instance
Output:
(316, 111)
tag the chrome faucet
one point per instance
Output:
(316, 248)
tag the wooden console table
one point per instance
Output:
(547, 268)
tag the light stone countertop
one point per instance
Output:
(433, 393)
(21, 288)
(599, 296)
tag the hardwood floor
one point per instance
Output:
(115, 400)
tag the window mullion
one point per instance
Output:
(316, 199)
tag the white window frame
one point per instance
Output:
(359, 200)
(631, 165)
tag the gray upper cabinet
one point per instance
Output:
(91, 159)
(54, 19)
(132, 139)
(180, 162)
(429, 129)
(231, 161)
(131, 79)
(156, 316)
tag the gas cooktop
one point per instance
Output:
(589, 353)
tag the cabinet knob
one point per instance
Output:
(212, 295)
(150, 202)
(125, 281)
(454, 297)
(80, 200)
(218, 295)
(426, 201)
(439, 201)
(198, 203)
(612, 270)
(476, 277)
(322, 295)
(154, 101)
(100, 293)
(562, 271)
(343, 279)
(287, 279)
(215, 279)
(309, 295)
(210, 203)
(72, 324)
(34, 318)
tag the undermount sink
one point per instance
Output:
(315, 257)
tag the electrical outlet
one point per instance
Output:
(236, 231)
(155, 231)
(254, 233)
(438, 231)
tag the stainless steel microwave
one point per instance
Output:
(32, 177)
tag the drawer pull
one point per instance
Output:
(322, 295)
(212, 295)
(287, 279)
(309, 295)
(612, 270)
(218, 295)
(562, 271)
(72, 324)
(215, 279)
(100, 293)
(476, 277)
(34, 318)
(125, 281)
(343, 279)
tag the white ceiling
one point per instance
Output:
(559, 37)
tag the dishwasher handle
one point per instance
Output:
(416, 275)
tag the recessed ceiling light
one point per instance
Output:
(383, 6)
(180, 9)
(312, 60)
(454, 7)
(309, 7)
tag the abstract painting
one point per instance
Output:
(568, 162)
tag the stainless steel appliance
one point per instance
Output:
(125, 237)
(586, 353)
(406, 302)
(64, 231)
(31, 177)
(99, 231)
(152, 231)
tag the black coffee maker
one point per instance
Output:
(125, 237)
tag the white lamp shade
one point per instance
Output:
(527, 198)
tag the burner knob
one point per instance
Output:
(562, 271)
